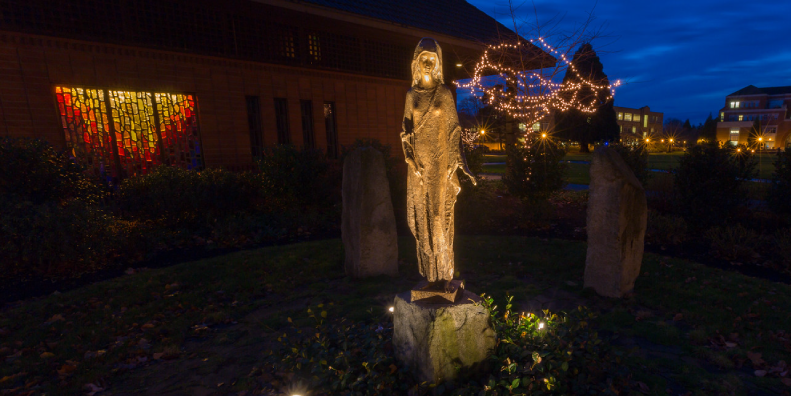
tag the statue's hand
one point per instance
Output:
(472, 178)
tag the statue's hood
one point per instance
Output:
(430, 45)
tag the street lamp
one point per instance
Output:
(543, 135)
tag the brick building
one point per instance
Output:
(638, 124)
(767, 105)
(129, 84)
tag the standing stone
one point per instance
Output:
(434, 340)
(368, 225)
(617, 217)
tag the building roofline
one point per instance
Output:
(364, 20)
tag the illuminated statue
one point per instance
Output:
(432, 147)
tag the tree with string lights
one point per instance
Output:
(582, 126)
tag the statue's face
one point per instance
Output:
(427, 62)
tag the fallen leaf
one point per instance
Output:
(755, 358)
(47, 355)
(730, 344)
(678, 317)
(393, 368)
(129, 271)
(92, 389)
(643, 387)
(786, 381)
(66, 369)
(158, 355)
(55, 318)
(147, 326)
(760, 373)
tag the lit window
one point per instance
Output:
(634, 129)
(125, 140)
(652, 130)
(537, 127)
(314, 48)
(741, 117)
(722, 116)
(734, 135)
(636, 118)
(628, 116)
(620, 116)
(733, 105)
(522, 126)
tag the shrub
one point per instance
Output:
(32, 170)
(534, 170)
(666, 229)
(476, 206)
(475, 158)
(53, 240)
(564, 356)
(301, 177)
(782, 245)
(710, 184)
(780, 187)
(636, 157)
(734, 242)
(182, 198)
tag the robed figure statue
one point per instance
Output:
(431, 139)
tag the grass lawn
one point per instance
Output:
(203, 327)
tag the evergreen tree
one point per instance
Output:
(587, 128)
(709, 129)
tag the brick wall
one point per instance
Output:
(31, 66)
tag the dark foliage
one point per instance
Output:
(546, 354)
(710, 184)
(181, 198)
(636, 157)
(534, 171)
(780, 187)
(583, 127)
(32, 170)
(302, 176)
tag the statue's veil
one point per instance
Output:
(427, 44)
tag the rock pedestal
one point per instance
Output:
(616, 224)
(368, 227)
(435, 340)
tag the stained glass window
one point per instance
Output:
(83, 116)
(178, 128)
(127, 133)
(133, 117)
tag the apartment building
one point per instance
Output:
(638, 124)
(768, 106)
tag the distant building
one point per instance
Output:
(638, 124)
(128, 85)
(767, 105)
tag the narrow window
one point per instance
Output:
(722, 116)
(741, 117)
(620, 116)
(634, 129)
(314, 47)
(332, 131)
(254, 124)
(645, 122)
(281, 118)
(307, 124)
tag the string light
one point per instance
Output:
(535, 95)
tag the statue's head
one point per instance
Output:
(427, 62)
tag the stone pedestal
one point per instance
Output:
(368, 229)
(616, 224)
(435, 340)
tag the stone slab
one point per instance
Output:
(437, 340)
(368, 229)
(616, 225)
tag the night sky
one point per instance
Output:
(678, 57)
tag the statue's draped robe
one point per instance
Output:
(432, 137)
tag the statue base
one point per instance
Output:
(437, 294)
(435, 340)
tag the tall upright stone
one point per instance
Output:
(616, 224)
(368, 226)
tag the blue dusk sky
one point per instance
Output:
(679, 57)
